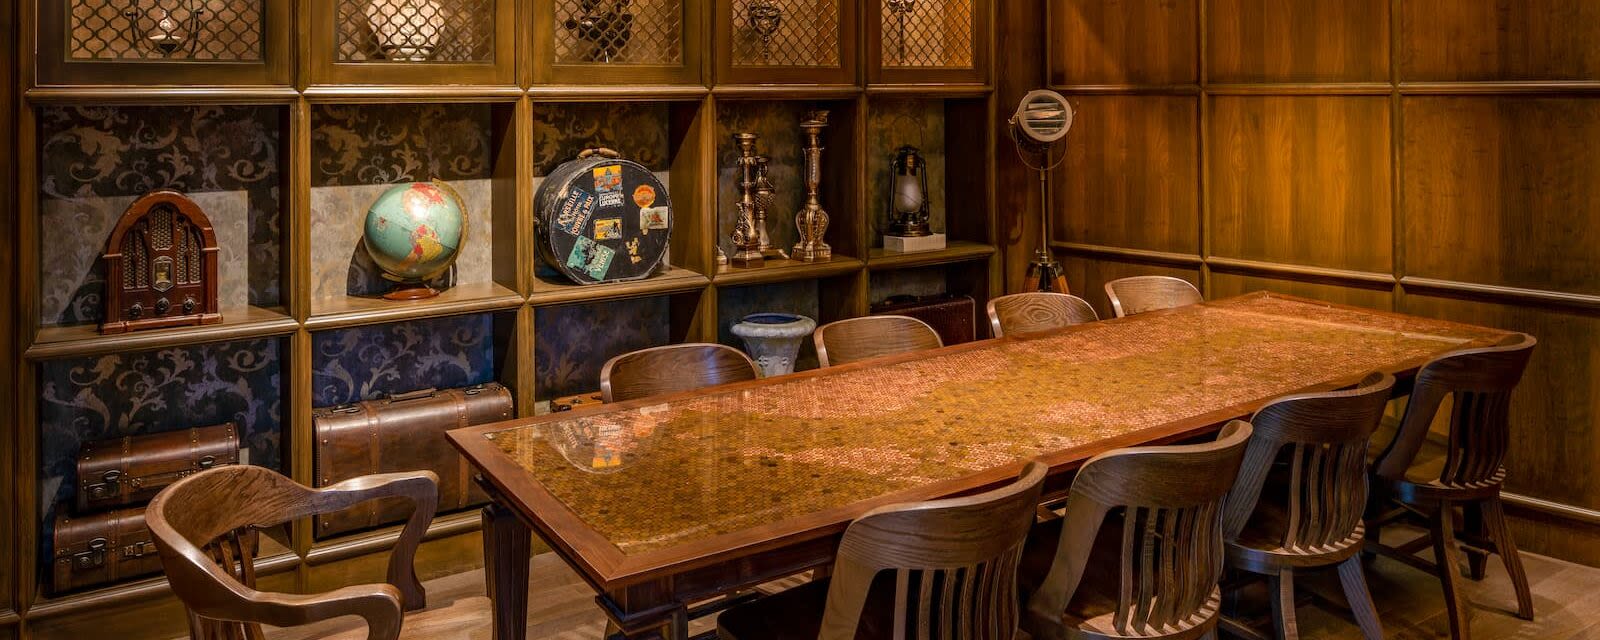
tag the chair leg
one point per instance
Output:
(1472, 521)
(1494, 514)
(1354, 581)
(1283, 621)
(1448, 566)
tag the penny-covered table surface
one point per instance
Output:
(693, 469)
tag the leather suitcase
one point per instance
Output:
(568, 403)
(953, 317)
(101, 548)
(404, 432)
(133, 469)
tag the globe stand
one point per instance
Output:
(411, 291)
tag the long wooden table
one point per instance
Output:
(668, 501)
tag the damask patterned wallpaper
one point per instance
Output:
(99, 398)
(927, 281)
(573, 342)
(95, 161)
(365, 363)
(892, 124)
(778, 124)
(790, 297)
(359, 151)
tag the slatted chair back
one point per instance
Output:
(673, 368)
(1141, 294)
(1479, 383)
(870, 337)
(954, 564)
(204, 526)
(1037, 312)
(1325, 437)
(1170, 500)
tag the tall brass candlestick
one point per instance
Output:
(812, 221)
(746, 234)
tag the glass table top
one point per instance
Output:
(657, 476)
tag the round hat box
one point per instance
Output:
(601, 218)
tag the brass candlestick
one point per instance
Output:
(764, 199)
(812, 221)
(746, 231)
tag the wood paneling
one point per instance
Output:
(1130, 178)
(1088, 277)
(1499, 40)
(1151, 42)
(1228, 284)
(1301, 41)
(1513, 182)
(1301, 180)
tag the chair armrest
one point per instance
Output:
(422, 489)
(377, 604)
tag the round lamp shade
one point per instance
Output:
(1043, 118)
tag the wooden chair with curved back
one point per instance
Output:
(673, 368)
(1037, 312)
(1139, 553)
(202, 525)
(945, 569)
(1312, 517)
(870, 337)
(1467, 470)
(1141, 294)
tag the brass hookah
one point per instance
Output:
(765, 199)
(747, 233)
(812, 220)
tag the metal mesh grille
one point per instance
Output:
(928, 33)
(786, 33)
(220, 30)
(619, 31)
(416, 30)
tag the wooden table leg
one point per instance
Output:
(506, 548)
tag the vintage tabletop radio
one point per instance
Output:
(603, 219)
(161, 266)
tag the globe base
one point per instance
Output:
(411, 291)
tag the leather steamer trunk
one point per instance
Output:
(101, 548)
(133, 469)
(404, 432)
(953, 317)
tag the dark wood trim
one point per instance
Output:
(954, 251)
(1300, 89)
(673, 280)
(785, 271)
(142, 96)
(1500, 293)
(646, 93)
(1301, 272)
(1501, 87)
(83, 340)
(1564, 511)
(1132, 89)
(1128, 255)
(462, 299)
(421, 94)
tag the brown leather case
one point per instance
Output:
(101, 548)
(404, 432)
(133, 469)
(953, 317)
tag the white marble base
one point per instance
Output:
(901, 244)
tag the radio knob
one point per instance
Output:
(188, 305)
(163, 306)
(136, 310)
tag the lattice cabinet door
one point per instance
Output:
(164, 42)
(602, 42)
(922, 41)
(786, 41)
(413, 42)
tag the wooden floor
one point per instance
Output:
(1566, 598)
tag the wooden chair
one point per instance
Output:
(870, 337)
(1038, 312)
(945, 569)
(1139, 294)
(673, 368)
(1152, 570)
(1312, 517)
(203, 524)
(1467, 472)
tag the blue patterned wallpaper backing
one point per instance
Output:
(364, 363)
(573, 342)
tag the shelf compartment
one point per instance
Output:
(174, 42)
(809, 41)
(970, 278)
(353, 311)
(954, 251)
(86, 340)
(623, 43)
(553, 290)
(952, 155)
(413, 41)
(572, 342)
(785, 271)
(924, 41)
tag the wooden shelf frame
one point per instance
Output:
(695, 283)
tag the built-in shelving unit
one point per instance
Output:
(293, 130)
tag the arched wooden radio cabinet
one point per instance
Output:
(161, 266)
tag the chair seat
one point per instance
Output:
(796, 614)
(1092, 611)
(1259, 547)
(1422, 477)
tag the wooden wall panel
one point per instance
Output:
(1499, 40)
(1301, 180)
(1503, 191)
(1148, 42)
(1229, 284)
(1088, 277)
(1557, 405)
(1301, 41)
(1132, 174)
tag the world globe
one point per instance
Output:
(415, 231)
